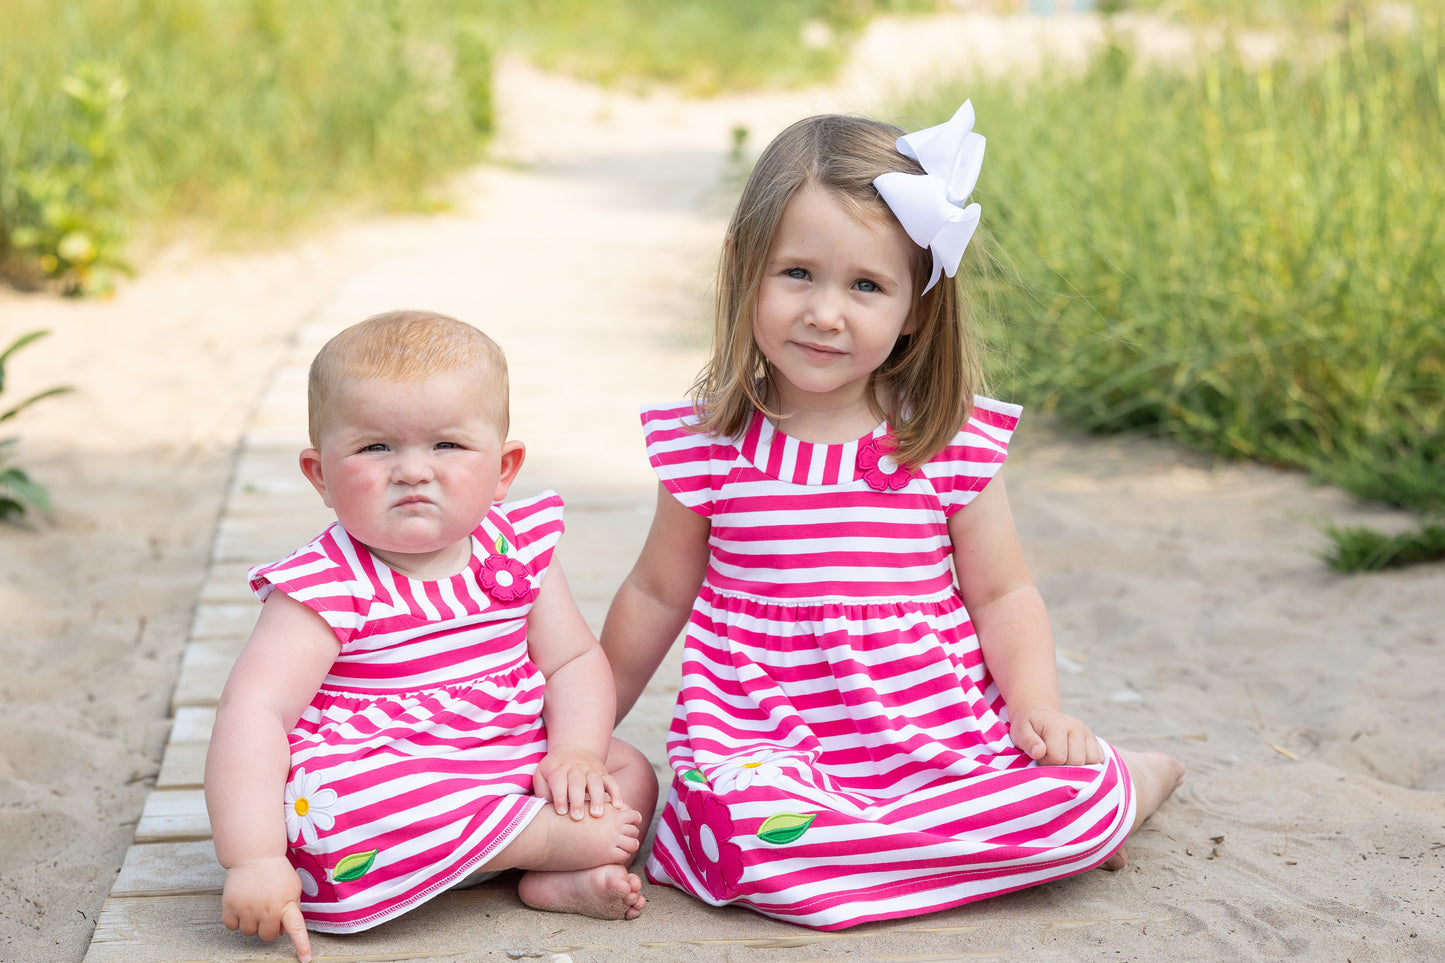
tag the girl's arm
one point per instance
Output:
(655, 601)
(579, 702)
(1013, 631)
(278, 672)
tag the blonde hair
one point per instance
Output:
(928, 381)
(405, 346)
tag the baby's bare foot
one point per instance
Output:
(1155, 775)
(603, 892)
(1116, 861)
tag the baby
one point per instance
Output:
(421, 703)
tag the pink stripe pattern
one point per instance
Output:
(840, 752)
(413, 764)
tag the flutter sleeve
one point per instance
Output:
(975, 455)
(328, 576)
(692, 465)
(532, 526)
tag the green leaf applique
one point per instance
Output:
(501, 545)
(353, 866)
(695, 775)
(785, 828)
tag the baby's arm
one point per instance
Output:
(656, 599)
(578, 705)
(283, 664)
(1013, 630)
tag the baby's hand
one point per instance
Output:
(571, 777)
(1053, 738)
(262, 897)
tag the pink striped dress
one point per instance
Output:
(413, 764)
(839, 751)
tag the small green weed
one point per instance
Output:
(18, 493)
(1359, 549)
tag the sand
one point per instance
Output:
(1192, 613)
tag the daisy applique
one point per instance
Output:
(308, 807)
(758, 768)
(878, 468)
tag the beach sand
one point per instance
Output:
(1191, 611)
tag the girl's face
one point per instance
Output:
(836, 294)
(412, 468)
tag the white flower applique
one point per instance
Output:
(760, 767)
(308, 807)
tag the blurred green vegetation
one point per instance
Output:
(251, 116)
(1245, 257)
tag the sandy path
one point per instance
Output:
(1191, 613)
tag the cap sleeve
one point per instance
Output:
(327, 576)
(691, 464)
(975, 454)
(532, 527)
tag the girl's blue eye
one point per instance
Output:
(866, 285)
(799, 273)
(376, 447)
(447, 444)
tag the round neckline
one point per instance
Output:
(789, 459)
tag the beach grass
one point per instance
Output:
(126, 117)
(1246, 257)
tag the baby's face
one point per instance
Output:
(410, 468)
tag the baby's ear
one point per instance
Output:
(513, 454)
(311, 468)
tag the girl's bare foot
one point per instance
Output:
(603, 892)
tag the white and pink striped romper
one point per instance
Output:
(840, 753)
(413, 764)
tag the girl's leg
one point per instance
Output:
(602, 888)
(1155, 775)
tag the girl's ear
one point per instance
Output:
(911, 325)
(311, 468)
(513, 454)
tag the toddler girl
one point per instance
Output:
(858, 736)
(419, 685)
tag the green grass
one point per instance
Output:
(1358, 549)
(1247, 259)
(255, 116)
(701, 46)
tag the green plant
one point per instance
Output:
(18, 493)
(59, 201)
(1360, 549)
(1247, 257)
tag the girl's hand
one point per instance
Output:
(1052, 738)
(263, 897)
(571, 777)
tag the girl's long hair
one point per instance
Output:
(929, 379)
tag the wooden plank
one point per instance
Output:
(183, 766)
(487, 922)
(224, 621)
(173, 815)
(204, 668)
(193, 724)
(169, 869)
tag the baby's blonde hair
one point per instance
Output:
(930, 378)
(405, 346)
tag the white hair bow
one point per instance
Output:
(930, 205)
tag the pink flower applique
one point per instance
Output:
(878, 467)
(707, 834)
(505, 579)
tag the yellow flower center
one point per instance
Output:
(301, 806)
(751, 765)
